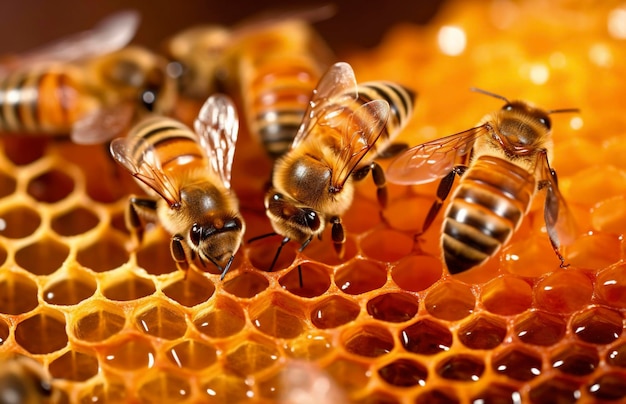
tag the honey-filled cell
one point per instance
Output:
(426, 337)
(393, 307)
(610, 286)
(19, 222)
(18, 293)
(161, 319)
(163, 386)
(575, 359)
(450, 300)
(127, 286)
(71, 289)
(483, 332)
(507, 295)
(466, 368)
(334, 311)
(251, 357)
(42, 257)
(51, 187)
(42, 333)
(539, 328)
(262, 253)
(7, 184)
(279, 316)
(517, 363)
(404, 372)
(564, 292)
(386, 245)
(192, 355)
(246, 284)
(4, 331)
(367, 340)
(130, 353)
(417, 272)
(555, 390)
(104, 255)
(190, 290)
(96, 321)
(74, 366)
(360, 276)
(75, 221)
(315, 280)
(597, 325)
(222, 318)
(610, 386)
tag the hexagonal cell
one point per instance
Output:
(246, 284)
(51, 186)
(610, 286)
(393, 307)
(555, 390)
(223, 318)
(74, 366)
(498, 393)
(251, 357)
(70, 289)
(19, 222)
(450, 300)
(351, 376)
(437, 396)
(161, 319)
(575, 359)
(193, 355)
(96, 321)
(4, 331)
(225, 388)
(74, 222)
(597, 325)
(43, 333)
(404, 372)
(461, 367)
(609, 216)
(426, 337)
(127, 286)
(156, 258)
(262, 252)
(507, 295)
(23, 150)
(315, 280)
(112, 391)
(539, 328)
(189, 292)
(309, 346)
(131, 353)
(7, 184)
(360, 276)
(386, 245)
(616, 356)
(42, 257)
(104, 255)
(18, 294)
(610, 386)
(482, 332)
(517, 363)
(334, 311)
(595, 251)
(323, 251)
(529, 257)
(416, 273)
(563, 291)
(367, 340)
(278, 315)
(164, 386)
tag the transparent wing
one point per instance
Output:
(336, 85)
(433, 160)
(358, 136)
(146, 167)
(103, 124)
(217, 126)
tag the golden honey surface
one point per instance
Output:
(387, 324)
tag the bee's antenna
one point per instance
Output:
(262, 236)
(227, 267)
(489, 93)
(560, 110)
(280, 247)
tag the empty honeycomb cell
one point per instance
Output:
(310, 346)
(162, 320)
(130, 353)
(262, 252)
(190, 291)
(223, 318)
(417, 272)
(224, 388)
(610, 386)
(245, 284)
(104, 255)
(517, 363)
(70, 289)
(386, 245)
(393, 307)
(4, 331)
(19, 222)
(597, 325)
(609, 216)
(563, 292)
(96, 321)
(610, 286)
(42, 257)
(498, 393)
(251, 357)
(42, 333)
(75, 366)
(450, 300)
(404, 372)
(507, 295)
(368, 340)
(127, 286)
(277, 316)
(426, 337)
(461, 367)
(315, 280)
(437, 396)
(18, 294)
(531, 256)
(192, 355)
(360, 276)
(348, 374)
(7, 184)
(539, 328)
(575, 359)
(22, 150)
(555, 390)
(163, 386)
(334, 311)
(74, 222)
(616, 356)
(482, 332)
(155, 257)
(594, 251)
(51, 186)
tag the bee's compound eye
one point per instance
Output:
(545, 121)
(195, 234)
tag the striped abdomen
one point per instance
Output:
(278, 93)
(39, 102)
(486, 208)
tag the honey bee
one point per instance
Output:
(273, 62)
(188, 175)
(23, 380)
(503, 162)
(89, 84)
(344, 129)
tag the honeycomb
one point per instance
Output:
(387, 324)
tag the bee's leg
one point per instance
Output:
(378, 175)
(443, 190)
(179, 254)
(338, 236)
(392, 150)
(551, 212)
(138, 207)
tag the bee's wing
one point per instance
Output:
(217, 126)
(102, 124)
(361, 131)
(147, 168)
(338, 82)
(432, 160)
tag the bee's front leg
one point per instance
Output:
(136, 209)
(378, 175)
(179, 254)
(338, 236)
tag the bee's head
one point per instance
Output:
(217, 241)
(298, 223)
